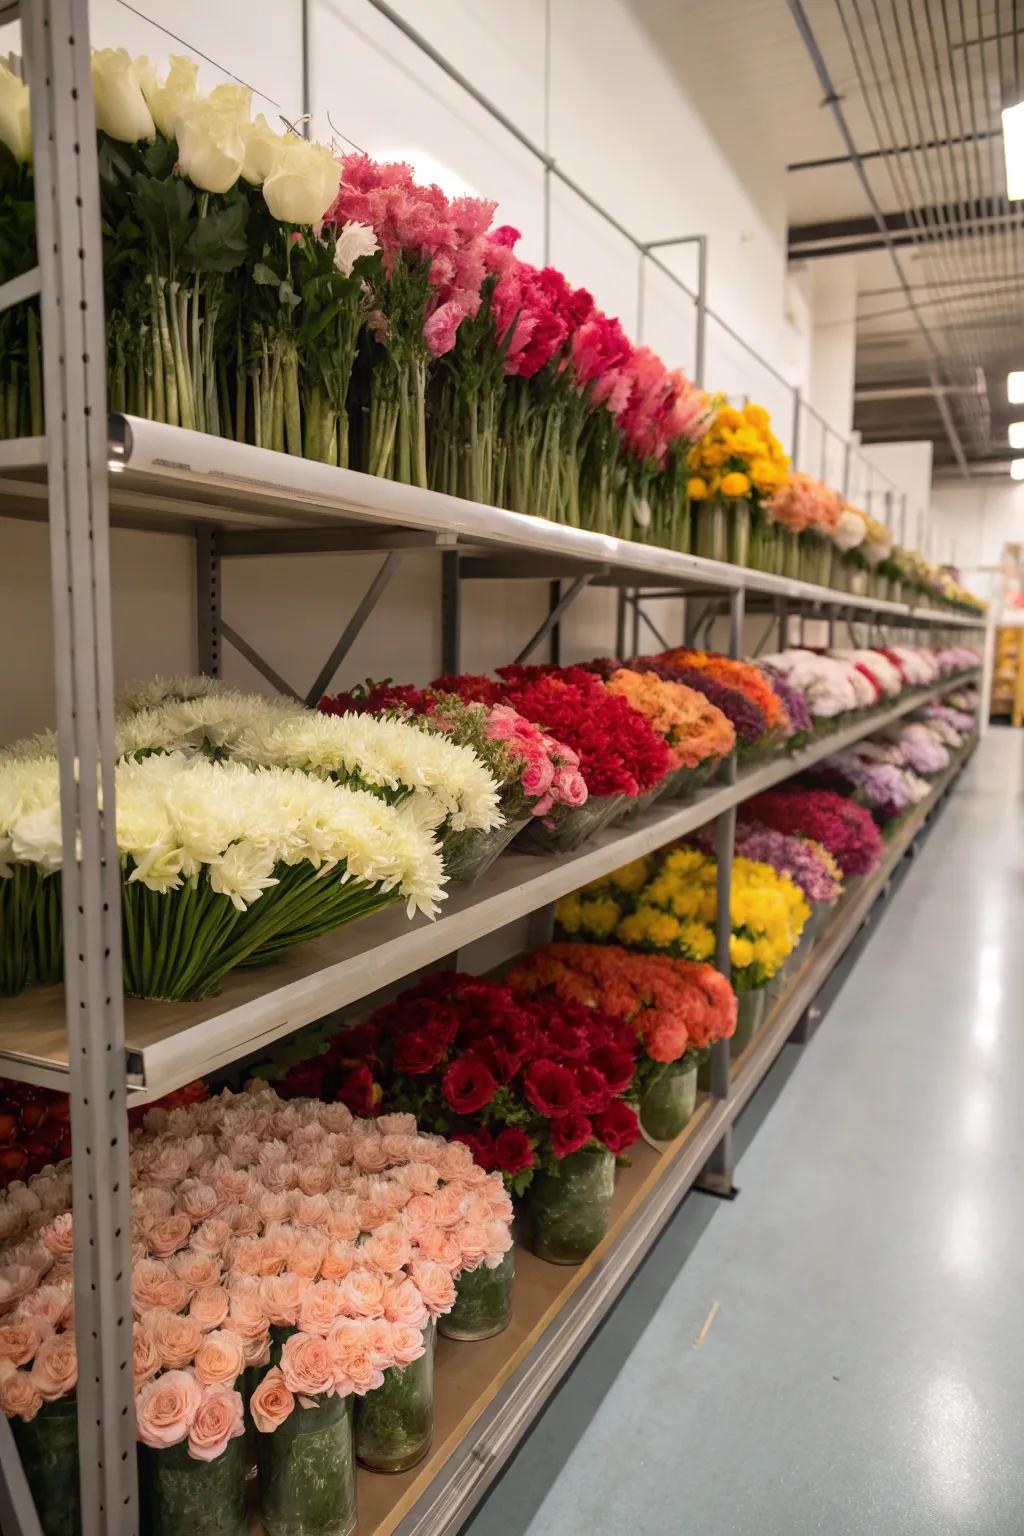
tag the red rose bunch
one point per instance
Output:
(846, 829)
(523, 1082)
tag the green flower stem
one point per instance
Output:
(290, 391)
(177, 304)
(166, 355)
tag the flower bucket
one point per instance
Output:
(789, 554)
(483, 1301)
(815, 558)
(48, 1447)
(570, 1212)
(201, 1498)
(749, 1015)
(710, 539)
(307, 1477)
(686, 782)
(667, 1106)
(565, 832)
(636, 805)
(469, 854)
(763, 549)
(394, 1424)
(739, 532)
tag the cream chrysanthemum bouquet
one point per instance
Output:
(222, 864)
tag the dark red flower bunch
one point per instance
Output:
(846, 829)
(523, 1082)
(35, 1125)
(371, 698)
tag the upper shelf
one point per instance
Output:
(169, 479)
(170, 1043)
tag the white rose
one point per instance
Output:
(210, 147)
(303, 181)
(15, 130)
(169, 98)
(849, 531)
(354, 241)
(261, 146)
(234, 101)
(121, 107)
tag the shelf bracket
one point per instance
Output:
(564, 603)
(254, 659)
(371, 597)
(451, 614)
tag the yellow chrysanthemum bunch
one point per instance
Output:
(740, 457)
(676, 911)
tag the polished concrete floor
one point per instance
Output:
(863, 1374)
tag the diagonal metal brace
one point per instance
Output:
(565, 602)
(370, 599)
(254, 659)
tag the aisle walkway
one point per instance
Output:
(862, 1376)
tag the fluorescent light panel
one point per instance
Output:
(1015, 387)
(1017, 468)
(1017, 434)
(1013, 149)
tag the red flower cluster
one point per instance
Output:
(619, 752)
(675, 1006)
(522, 1082)
(35, 1125)
(847, 830)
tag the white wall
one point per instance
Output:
(978, 517)
(909, 466)
(621, 124)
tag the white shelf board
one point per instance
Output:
(171, 1043)
(175, 480)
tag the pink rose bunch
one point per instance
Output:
(549, 771)
(801, 502)
(256, 1222)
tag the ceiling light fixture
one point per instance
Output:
(1016, 434)
(1017, 469)
(1013, 149)
(1015, 387)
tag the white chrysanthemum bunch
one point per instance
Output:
(383, 754)
(880, 667)
(212, 723)
(223, 864)
(166, 690)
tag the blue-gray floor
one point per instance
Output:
(862, 1374)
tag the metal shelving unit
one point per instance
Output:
(92, 472)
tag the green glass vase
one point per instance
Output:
(483, 1301)
(668, 1104)
(570, 1211)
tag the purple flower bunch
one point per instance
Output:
(884, 785)
(807, 863)
(922, 749)
(793, 699)
(747, 719)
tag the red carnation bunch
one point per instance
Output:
(523, 1082)
(846, 829)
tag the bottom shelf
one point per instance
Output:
(488, 1393)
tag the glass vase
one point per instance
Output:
(709, 530)
(739, 533)
(686, 782)
(570, 1211)
(667, 1106)
(815, 558)
(569, 829)
(483, 1301)
(395, 1423)
(636, 805)
(789, 554)
(48, 1447)
(469, 854)
(763, 545)
(749, 1014)
(201, 1498)
(307, 1475)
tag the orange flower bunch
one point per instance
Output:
(675, 1005)
(741, 675)
(691, 726)
(803, 502)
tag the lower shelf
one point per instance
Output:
(488, 1393)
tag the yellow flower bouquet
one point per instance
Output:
(734, 468)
